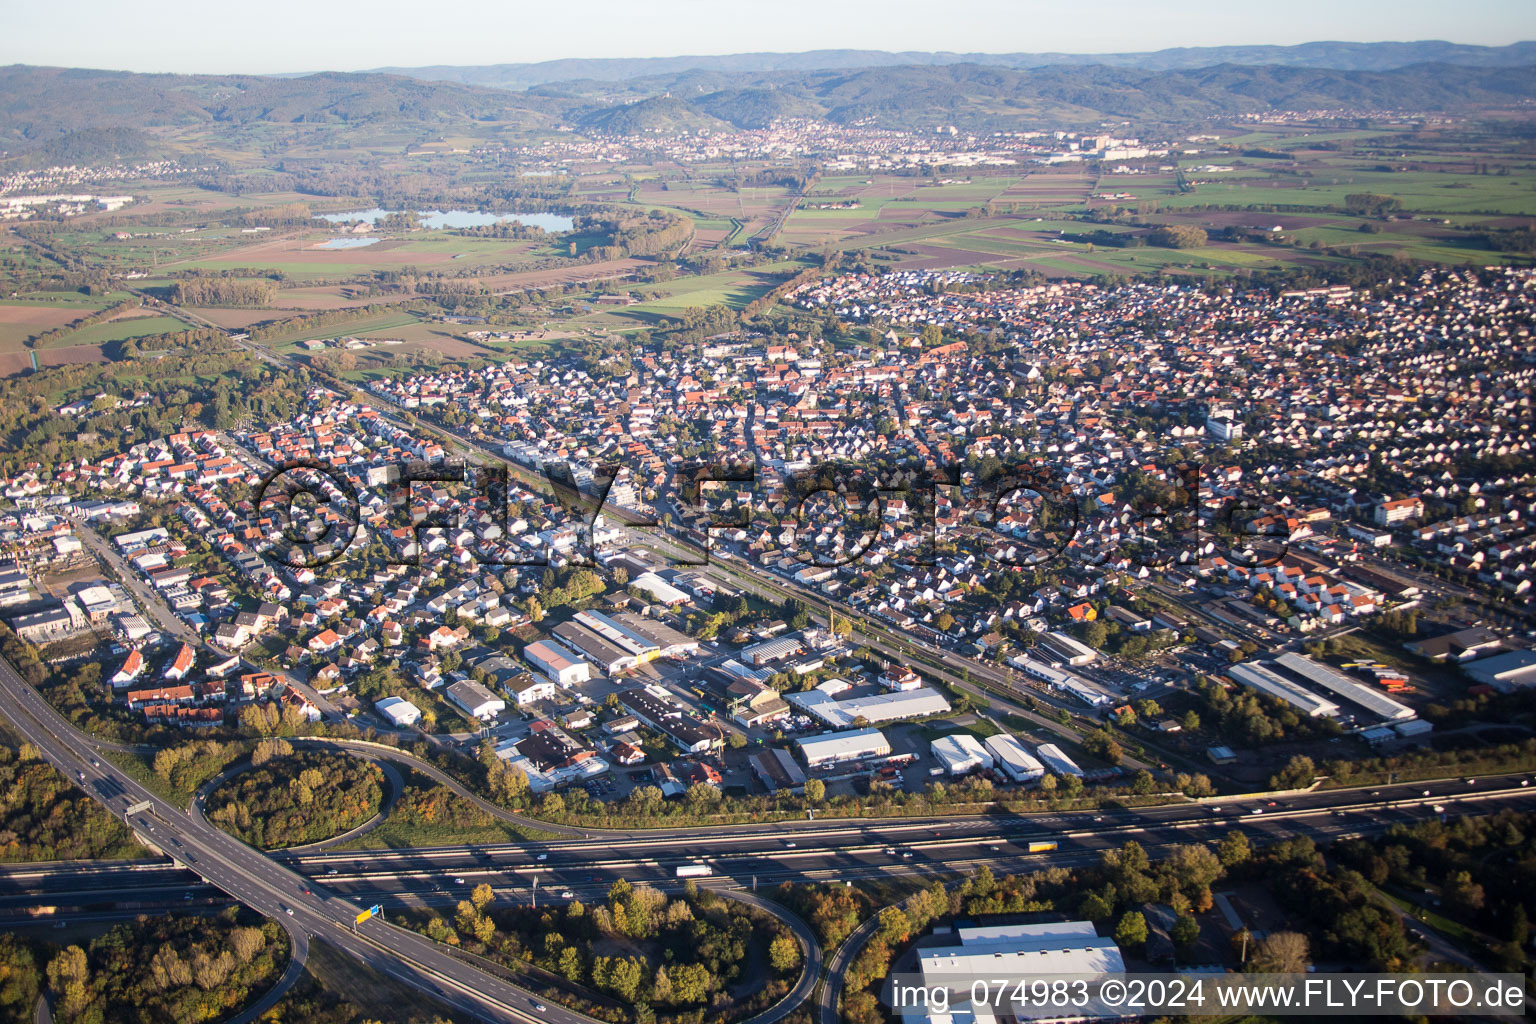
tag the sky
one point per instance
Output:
(284, 36)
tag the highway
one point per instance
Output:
(586, 869)
(317, 894)
(304, 909)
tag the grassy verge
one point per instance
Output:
(337, 989)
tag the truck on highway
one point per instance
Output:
(694, 870)
(1042, 847)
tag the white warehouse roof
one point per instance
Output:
(398, 710)
(844, 746)
(659, 588)
(1020, 951)
(1012, 758)
(874, 709)
(961, 752)
(1375, 702)
(1056, 760)
(1257, 677)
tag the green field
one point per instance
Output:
(120, 330)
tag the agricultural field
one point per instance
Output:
(1269, 197)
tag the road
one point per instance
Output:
(586, 868)
(768, 855)
(174, 626)
(300, 890)
(1003, 687)
(305, 909)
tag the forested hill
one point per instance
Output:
(44, 99)
(988, 97)
(1338, 56)
(41, 106)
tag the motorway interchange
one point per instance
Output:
(319, 894)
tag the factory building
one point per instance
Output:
(1056, 760)
(834, 748)
(1011, 756)
(961, 753)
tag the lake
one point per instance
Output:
(346, 243)
(552, 222)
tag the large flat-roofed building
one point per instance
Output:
(1056, 760)
(960, 753)
(1011, 756)
(659, 589)
(1272, 684)
(770, 651)
(1066, 649)
(655, 708)
(559, 663)
(874, 709)
(558, 755)
(1462, 645)
(475, 700)
(1505, 672)
(620, 635)
(1340, 685)
(982, 954)
(400, 712)
(668, 641)
(833, 748)
(607, 656)
(52, 624)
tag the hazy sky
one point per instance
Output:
(312, 35)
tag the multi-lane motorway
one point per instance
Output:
(572, 868)
(306, 909)
(318, 894)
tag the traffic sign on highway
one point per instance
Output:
(142, 805)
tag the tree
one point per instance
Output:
(784, 953)
(1299, 772)
(1463, 894)
(69, 975)
(570, 964)
(815, 790)
(1095, 907)
(1131, 932)
(620, 975)
(1280, 953)
(1185, 932)
(1102, 745)
(246, 943)
(482, 896)
(1234, 849)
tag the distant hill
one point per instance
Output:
(68, 114)
(1337, 56)
(989, 97)
(42, 102)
